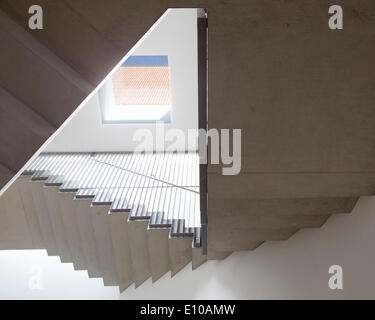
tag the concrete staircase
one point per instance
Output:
(122, 228)
(127, 217)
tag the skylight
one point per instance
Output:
(139, 91)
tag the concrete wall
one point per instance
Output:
(297, 268)
(175, 36)
(15, 232)
(302, 95)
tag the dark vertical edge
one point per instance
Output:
(202, 114)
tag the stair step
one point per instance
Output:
(68, 213)
(14, 229)
(36, 189)
(54, 209)
(178, 229)
(139, 250)
(30, 211)
(107, 262)
(180, 253)
(86, 230)
(118, 222)
(158, 251)
(198, 258)
(158, 236)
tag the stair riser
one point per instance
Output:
(100, 221)
(14, 229)
(68, 213)
(36, 189)
(54, 209)
(180, 253)
(86, 229)
(139, 250)
(158, 251)
(121, 246)
(30, 211)
(198, 258)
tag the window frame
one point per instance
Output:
(107, 99)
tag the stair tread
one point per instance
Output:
(127, 182)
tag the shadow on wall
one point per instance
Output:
(292, 269)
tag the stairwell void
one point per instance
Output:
(95, 200)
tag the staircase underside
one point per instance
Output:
(121, 216)
(126, 217)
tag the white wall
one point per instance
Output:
(175, 36)
(296, 268)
